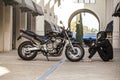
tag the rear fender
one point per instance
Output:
(29, 39)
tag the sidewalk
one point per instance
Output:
(13, 68)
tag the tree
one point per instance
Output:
(79, 29)
(94, 30)
(86, 29)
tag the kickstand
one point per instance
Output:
(47, 57)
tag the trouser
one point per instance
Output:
(92, 52)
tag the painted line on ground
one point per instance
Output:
(52, 69)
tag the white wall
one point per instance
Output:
(99, 9)
(116, 29)
(40, 20)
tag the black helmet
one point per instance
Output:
(101, 35)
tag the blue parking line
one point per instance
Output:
(53, 68)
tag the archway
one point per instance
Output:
(91, 25)
(80, 11)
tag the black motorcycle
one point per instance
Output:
(50, 45)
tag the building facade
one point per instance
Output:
(12, 18)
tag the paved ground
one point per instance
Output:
(13, 68)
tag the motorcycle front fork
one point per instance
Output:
(70, 44)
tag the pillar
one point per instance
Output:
(116, 33)
(8, 28)
(23, 20)
(40, 25)
(21, 23)
(40, 21)
(1, 25)
(33, 25)
(116, 29)
(18, 25)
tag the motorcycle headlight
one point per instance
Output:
(69, 33)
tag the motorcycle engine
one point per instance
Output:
(53, 45)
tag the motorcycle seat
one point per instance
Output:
(42, 38)
(36, 36)
(30, 33)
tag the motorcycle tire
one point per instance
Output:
(77, 56)
(23, 53)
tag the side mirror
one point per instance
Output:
(61, 22)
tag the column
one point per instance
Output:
(21, 23)
(116, 29)
(40, 20)
(18, 25)
(29, 20)
(8, 28)
(116, 33)
(1, 25)
(40, 25)
(23, 20)
(33, 25)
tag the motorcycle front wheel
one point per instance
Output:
(24, 53)
(74, 56)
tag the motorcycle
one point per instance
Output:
(51, 45)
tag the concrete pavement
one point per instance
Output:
(13, 68)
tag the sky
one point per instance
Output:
(90, 21)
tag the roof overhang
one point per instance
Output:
(38, 9)
(26, 5)
(12, 2)
(117, 11)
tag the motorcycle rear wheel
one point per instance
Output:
(74, 56)
(24, 53)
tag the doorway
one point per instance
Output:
(90, 24)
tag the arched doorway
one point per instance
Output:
(90, 22)
(82, 11)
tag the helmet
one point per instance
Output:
(101, 35)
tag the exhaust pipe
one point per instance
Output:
(33, 49)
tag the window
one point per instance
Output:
(92, 1)
(84, 1)
(78, 1)
(81, 1)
